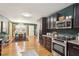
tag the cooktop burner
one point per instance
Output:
(62, 39)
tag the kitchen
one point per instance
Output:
(59, 32)
(57, 29)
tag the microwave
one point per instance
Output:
(64, 24)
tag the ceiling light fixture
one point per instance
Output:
(27, 14)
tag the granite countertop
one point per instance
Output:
(47, 36)
(74, 41)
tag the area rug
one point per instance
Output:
(30, 53)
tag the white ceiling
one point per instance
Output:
(14, 10)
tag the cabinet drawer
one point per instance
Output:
(49, 43)
(48, 39)
(48, 48)
(73, 49)
(74, 46)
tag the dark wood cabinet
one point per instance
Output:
(44, 25)
(76, 16)
(48, 23)
(47, 43)
(72, 49)
(0, 50)
(42, 29)
(44, 44)
(0, 47)
(40, 40)
(51, 21)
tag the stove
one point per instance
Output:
(60, 45)
(62, 39)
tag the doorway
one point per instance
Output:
(31, 31)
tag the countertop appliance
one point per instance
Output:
(60, 45)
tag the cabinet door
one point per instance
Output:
(51, 21)
(51, 18)
(73, 49)
(44, 25)
(76, 15)
(48, 44)
(0, 47)
(40, 40)
(48, 23)
(0, 50)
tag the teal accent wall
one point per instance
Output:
(67, 11)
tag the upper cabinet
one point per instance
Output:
(51, 21)
(66, 18)
(48, 23)
(43, 25)
(76, 16)
(63, 19)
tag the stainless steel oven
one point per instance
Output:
(60, 44)
(59, 47)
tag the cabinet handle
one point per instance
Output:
(76, 47)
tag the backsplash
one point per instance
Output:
(66, 31)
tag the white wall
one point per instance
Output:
(5, 23)
(38, 27)
(10, 31)
(31, 30)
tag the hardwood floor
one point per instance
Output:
(31, 44)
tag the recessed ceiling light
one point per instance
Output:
(27, 14)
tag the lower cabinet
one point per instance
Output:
(40, 40)
(73, 49)
(0, 48)
(46, 43)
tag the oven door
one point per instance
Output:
(59, 49)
